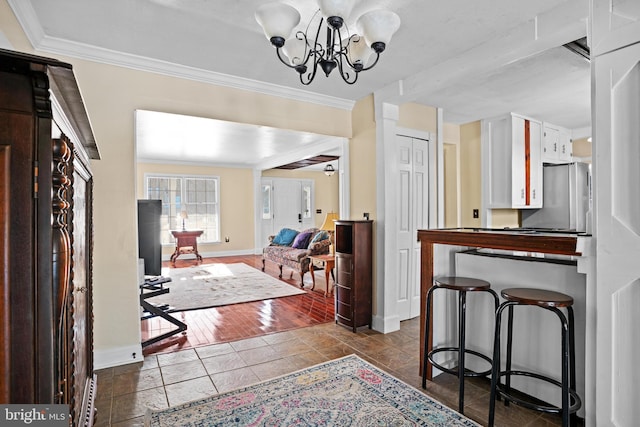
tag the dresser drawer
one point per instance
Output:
(343, 294)
(343, 311)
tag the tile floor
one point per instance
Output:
(166, 379)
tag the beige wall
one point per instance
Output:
(419, 117)
(450, 185)
(581, 148)
(470, 174)
(236, 201)
(451, 140)
(362, 160)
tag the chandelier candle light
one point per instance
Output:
(350, 53)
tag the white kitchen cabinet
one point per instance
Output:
(512, 146)
(556, 144)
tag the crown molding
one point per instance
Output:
(28, 19)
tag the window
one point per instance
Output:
(266, 201)
(306, 201)
(198, 196)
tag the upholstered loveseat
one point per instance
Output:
(292, 248)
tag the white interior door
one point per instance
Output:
(286, 204)
(413, 214)
(292, 202)
(616, 177)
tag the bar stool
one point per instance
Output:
(462, 285)
(552, 301)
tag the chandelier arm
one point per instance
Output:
(311, 74)
(307, 46)
(374, 63)
(346, 75)
(279, 54)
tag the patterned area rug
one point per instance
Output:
(214, 285)
(341, 392)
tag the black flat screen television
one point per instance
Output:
(149, 246)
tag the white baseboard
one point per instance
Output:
(111, 357)
(385, 324)
(215, 254)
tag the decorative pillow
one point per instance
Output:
(321, 247)
(285, 237)
(302, 240)
(320, 235)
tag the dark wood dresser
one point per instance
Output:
(354, 272)
(46, 186)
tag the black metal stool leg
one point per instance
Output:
(566, 337)
(567, 383)
(572, 360)
(509, 352)
(462, 309)
(426, 337)
(495, 370)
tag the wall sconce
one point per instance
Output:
(329, 170)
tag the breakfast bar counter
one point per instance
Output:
(527, 241)
(551, 259)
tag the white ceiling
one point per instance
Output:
(170, 138)
(474, 59)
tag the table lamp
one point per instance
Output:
(329, 226)
(183, 215)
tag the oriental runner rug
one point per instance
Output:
(215, 285)
(341, 392)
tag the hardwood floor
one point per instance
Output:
(239, 321)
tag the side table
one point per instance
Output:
(186, 243)
(329, 262)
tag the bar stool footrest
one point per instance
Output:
(575, 404)
(468, 373)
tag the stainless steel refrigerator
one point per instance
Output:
(566, 199)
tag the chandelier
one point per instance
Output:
(331, 44)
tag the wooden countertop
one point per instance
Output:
(562, 243)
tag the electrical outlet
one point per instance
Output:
(476, 213)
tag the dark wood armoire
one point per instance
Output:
(46, 141)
